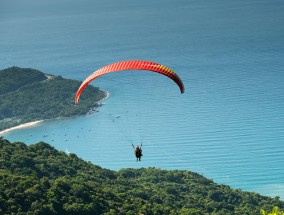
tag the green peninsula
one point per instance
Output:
(28, 95)
(38, 179)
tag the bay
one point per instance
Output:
(228, 125)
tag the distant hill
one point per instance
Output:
(38, 179)
(27, 95)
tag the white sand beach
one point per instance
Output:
(25, 125)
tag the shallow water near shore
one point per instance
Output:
(228, 125)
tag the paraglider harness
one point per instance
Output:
(138, 151)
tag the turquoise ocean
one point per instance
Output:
(229, 124)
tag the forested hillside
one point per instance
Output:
(38, 179)
(28, 95)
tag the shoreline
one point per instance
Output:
(25, 125)
(30, 124)
(107, 94)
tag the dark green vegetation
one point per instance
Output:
(28, 95)
(38, 179)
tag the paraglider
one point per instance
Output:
(138, 152)
(131, 65)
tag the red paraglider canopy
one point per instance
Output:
(131, 65)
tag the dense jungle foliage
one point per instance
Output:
(38, 179)
(28, 95)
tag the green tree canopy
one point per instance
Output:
(28, 95)
(38, 179)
